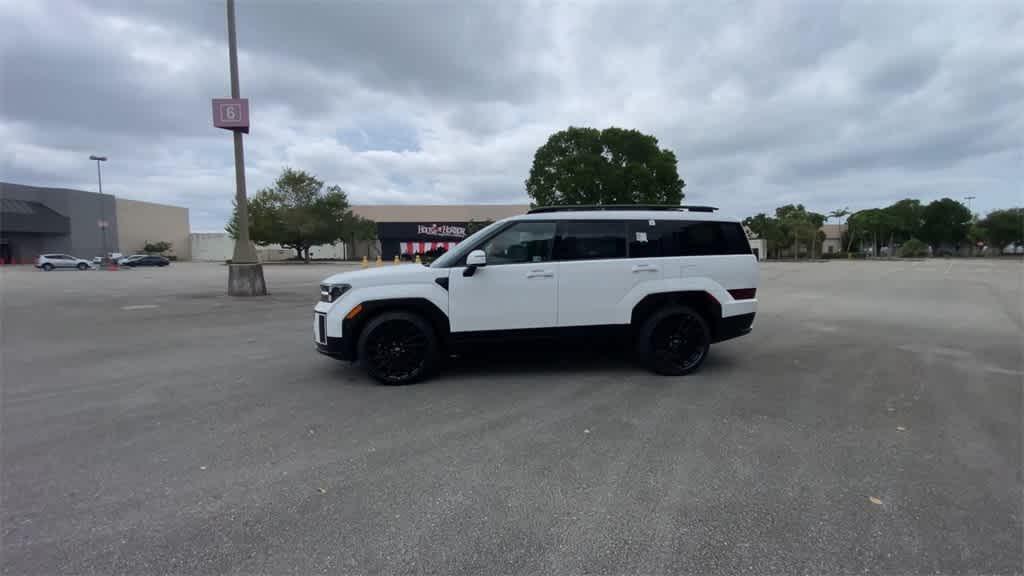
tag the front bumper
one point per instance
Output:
(331, 346)
(336, 348)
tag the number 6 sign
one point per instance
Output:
(231, 114)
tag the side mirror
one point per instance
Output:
(475, 259)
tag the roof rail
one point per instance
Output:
(589, 207)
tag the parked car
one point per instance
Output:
(144, 260)
(53, 261)
(670, 280)
(124, 260)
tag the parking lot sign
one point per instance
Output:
(231, 114)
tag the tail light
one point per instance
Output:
(743, 293)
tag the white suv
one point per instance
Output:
(674, 279)
(51, 261)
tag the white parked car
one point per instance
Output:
(674, 279)
(53, 261)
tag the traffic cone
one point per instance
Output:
(379, 260)
(365, 262)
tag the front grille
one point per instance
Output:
(321, 328)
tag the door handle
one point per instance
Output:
(644, 268)
(540, 274)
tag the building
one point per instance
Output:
(220, 247)
(142, 222)
(36, 220)
(415, 229)
(833, 242)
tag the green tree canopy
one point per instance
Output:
(945, 221)
(904, 219)
(610, 166)
(1003, 227)
(298, 212)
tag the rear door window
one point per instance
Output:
(647, 238)
(594, 240)
(666, 238)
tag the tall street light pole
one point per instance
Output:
(245, 274)
(103, 213)
(969, 198)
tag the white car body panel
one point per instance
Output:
(506, 297)
(589, 289)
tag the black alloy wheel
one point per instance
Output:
(675, 340)
(398, 348)
(83, 266)
(47, 267)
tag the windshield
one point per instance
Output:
(450, 258)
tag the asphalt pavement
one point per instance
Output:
(871, 423)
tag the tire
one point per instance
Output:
(398, 348)
(47, 267)
(82, 266)
(674, 341)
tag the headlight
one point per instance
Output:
(331, 292)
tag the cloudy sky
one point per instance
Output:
(764, 103)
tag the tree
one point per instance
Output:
(611, 166)
(873, 225)
(156, 247)
(474, 226)
(297, 212)
(768, 228)
(945, 221)
(1003, 227)
(360, 229)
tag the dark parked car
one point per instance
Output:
(146, 261)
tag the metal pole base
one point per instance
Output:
(246, 280)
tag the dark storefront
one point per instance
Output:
(27, 227)
(407, 239)
(36, 220)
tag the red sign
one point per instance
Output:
(231, 114)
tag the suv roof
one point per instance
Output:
(624, 213)
(623, 207)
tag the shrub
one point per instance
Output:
(157, 247)
(913, 248)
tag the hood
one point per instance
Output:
(388, 274)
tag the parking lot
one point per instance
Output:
(870, 423)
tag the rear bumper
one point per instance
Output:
(733, 326)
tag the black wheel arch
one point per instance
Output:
(352, 327)
(701, 301)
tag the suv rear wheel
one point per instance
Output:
(47, 266)
(398, 348)
(674, 340)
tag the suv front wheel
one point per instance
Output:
(398, 348)
(674, 340)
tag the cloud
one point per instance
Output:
(412, 102)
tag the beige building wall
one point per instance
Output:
(141, 222)
(438, 212)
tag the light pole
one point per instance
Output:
(245, 274)
(103, 213)
(969, 209)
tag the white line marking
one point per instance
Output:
(948, 266)
(140, 307)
